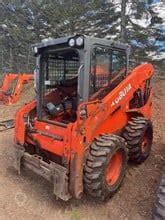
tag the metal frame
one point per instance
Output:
(85, 61)
(53, 172)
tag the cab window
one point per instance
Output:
(108, 69)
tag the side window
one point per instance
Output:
(118, 67)
(100, 68)
(118, 61)
(108, 68)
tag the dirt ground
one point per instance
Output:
(30, 197)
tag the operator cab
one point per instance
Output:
(74, 69)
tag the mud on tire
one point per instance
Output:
(106, 152)
(139, 135)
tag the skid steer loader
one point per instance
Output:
(12, 86)
(91, 115)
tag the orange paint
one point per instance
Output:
(114, 168)
(15, 93)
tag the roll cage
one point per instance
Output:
(85, 55)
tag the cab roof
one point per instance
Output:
(87, 41)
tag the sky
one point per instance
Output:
(154, 1)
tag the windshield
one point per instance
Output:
(59, 67)
(58, 83)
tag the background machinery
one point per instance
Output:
(11, 87)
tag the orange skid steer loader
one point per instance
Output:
(91, 115)
(12, 86)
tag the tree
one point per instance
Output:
(123, 21)
(23, 23)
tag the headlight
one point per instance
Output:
(79, 41)
(35, 50)
(72, 42)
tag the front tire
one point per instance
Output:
(105, 166)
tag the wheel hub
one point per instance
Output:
(114, 168)
(144, 144)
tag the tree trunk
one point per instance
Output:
(2, 65)
(123, 35)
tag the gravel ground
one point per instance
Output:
(30, 197)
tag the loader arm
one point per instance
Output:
(8, 77)
(23, 78)
(10, 97)
(6, 81)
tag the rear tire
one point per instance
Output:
(105, 166)
(159, 210)
(139, 135)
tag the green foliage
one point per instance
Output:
(75, 216)
(23, 23)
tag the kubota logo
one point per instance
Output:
(121, 95)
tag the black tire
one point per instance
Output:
(137, 131)
(101, 151)
(159, 209)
